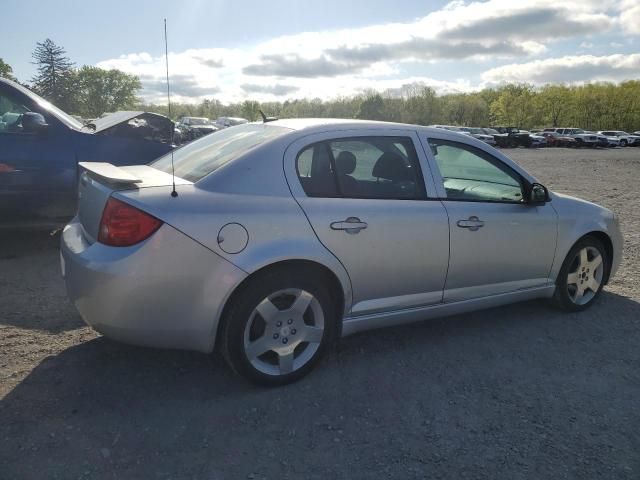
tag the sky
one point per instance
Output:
(285, 49)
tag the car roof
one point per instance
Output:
(317, 125)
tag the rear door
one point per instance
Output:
(366, 198)
(499, 244)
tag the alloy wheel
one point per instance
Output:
(284, 332)
(585, 275)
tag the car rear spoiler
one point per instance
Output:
(109, 173)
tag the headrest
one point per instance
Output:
(391, 166)
(345, 163)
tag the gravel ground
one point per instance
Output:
(516, 392)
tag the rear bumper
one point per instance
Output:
(166, 292)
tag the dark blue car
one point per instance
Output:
(40, 147)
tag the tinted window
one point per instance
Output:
(470, 174)
(315, 171)
(363, 167)
(201, 157)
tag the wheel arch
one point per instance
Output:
(336, 287)
(606, 241)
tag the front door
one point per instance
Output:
(366, 200)
(37, 169)
(499, 243)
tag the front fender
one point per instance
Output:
(577, 218)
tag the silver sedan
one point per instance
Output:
(278, 238)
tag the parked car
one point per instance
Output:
(536, 140)
(452, 128)
(225, 122)
(285, 235)
(195, 127)
(603, 140)
(40, 147)
(583, 139)
(555, 139)
(511, 137)
(478, 133)
(625, 139)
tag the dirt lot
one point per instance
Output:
(516, 392)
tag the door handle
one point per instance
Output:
(473, 223)
(351, 225)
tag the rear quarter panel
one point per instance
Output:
(251, 191)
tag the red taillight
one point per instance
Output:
(123, 225)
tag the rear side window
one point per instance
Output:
(201, 157)
(362, 167)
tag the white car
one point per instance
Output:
(626, 139)
(476, 132)
(451, 128)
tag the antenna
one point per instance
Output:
(266, 119)
(166, 56)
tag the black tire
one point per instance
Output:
(562, 296)
(623, 143)
(240, 312)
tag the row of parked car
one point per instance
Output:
(190, 128)
(507, 137)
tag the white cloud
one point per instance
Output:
(569, 69)
(630, 16)
(343, 62)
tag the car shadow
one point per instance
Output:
(450, 395)
(33, 292)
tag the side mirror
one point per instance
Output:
(33, 122)
(538, 194)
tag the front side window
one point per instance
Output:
(361, 167)
(10, 115)
(471, 174)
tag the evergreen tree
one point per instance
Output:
(55, 74)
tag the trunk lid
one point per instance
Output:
(99, 180)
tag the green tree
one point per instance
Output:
(250, 110)
(553, 102)
(372, 108)
(514, 106)
(6, 71)
(55, 74)
(98, 91)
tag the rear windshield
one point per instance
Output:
(201, 157)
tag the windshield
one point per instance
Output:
(490, 131)
(201, 157)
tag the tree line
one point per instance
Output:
(593, 106)
(90, 91)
